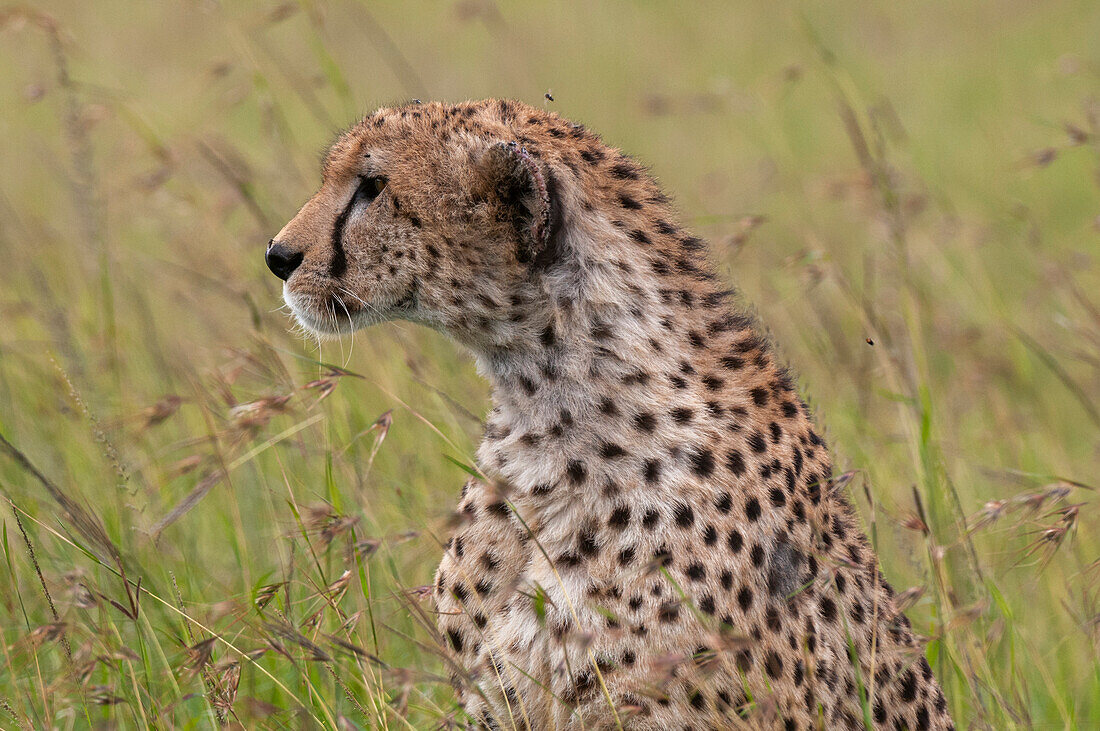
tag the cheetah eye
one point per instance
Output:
(370, 187)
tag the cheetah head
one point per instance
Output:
(430, 213)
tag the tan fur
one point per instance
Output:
(660, 544)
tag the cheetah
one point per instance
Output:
(658, 541)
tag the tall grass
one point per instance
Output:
(207, 521)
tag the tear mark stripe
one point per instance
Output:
(339, 263)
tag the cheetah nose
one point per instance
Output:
(282, 260)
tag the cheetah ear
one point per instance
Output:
(525, 187)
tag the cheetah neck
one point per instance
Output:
(641, 387)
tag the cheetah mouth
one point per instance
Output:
(343, 313)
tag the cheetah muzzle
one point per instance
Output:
(671, 550)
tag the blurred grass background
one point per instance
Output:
(908, 195)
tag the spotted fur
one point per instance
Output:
(659, 542)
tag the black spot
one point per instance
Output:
(696, 571)
(757, 555)
(759, 396)
(706, 605)
(652, 471)
(627, 202)
(455, 639)
(828, 609)
(624, 171)
(685, 516)
(569, 560)
(710, 535)
(732, 362)
(735, 541)
(735, 462)
(908, 686)
(491, 562)
(681, 415)
(777, 497)
(600, 331)
(620, 517)
(713, 383)
(586, 544)
(773, 664)
(702, 463)
(668, 612)
(645, 421)
(784, 569)
(649, 520)
(752, 509)
(724, 503)
(757, 443)
(611, 451)
(744, 598)
(577, 471)
(626, 556)
(813, 488)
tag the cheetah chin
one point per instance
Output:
(335, 315)
(660, 542)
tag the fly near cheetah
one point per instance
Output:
(658, 542)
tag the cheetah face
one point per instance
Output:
(425, 213)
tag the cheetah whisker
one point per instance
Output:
(351, 348)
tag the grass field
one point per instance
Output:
(201, 524)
